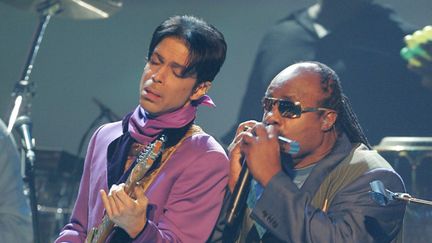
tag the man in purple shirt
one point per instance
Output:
(182, 202)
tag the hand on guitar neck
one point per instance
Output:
(129, 213)
(126, 205)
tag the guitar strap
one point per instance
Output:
(166, 155)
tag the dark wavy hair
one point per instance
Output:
(206, 44)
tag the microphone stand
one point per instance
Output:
(24, 88)
(29, 178)
(96, 121)
(22, 94)
(23, 125)
(408, 198)
(383, 196)
(104, 112)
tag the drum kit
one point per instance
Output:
(52, 177)
(57, 176)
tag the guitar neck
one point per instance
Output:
(145, 159)
(100, 234)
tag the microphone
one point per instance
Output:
(23, 125)
(239, 195)
(241, 188)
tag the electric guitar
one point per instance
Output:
(138, 177)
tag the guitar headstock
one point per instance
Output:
(145, 160)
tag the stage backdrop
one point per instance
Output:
(103, 59)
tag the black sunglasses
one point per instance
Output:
(288, 108)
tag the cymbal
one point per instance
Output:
(74, 9)
(405, 144)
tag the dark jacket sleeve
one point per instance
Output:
(352, 216)
(217, 234)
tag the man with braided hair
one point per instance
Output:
(360, 40)
(321, 193)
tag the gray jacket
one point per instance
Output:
(342, 178)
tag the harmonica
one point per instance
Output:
(294, 146)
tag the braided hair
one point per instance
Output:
(335, 99)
